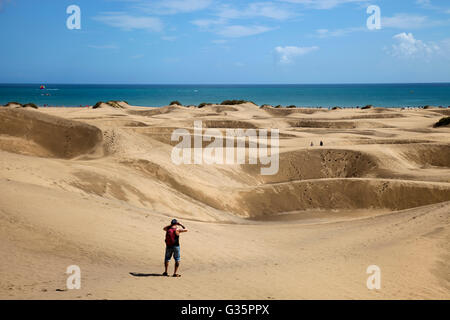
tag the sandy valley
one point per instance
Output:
(94, 188)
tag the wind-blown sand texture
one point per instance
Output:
(94, 188)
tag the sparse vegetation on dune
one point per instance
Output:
(175, 103)
(112, 103)
(204, 104)
(369, 106)
(235, 102)
(291, 106)
(30, 105)
(97, 105)
(19, 105)
(11, 103)
(442, 122)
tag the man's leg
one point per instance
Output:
(167, 258)
(177, 257)
(166, 266)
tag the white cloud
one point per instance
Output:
(129, 22)
(174, 6)
(236, 31)
(398, 21)
(286, 55)
(425, 4)
(256, 9)
(207, 23)
(405, 21)
(324, 4)
(325, 33)
(221, 23)
(407, 46)
(445, 47)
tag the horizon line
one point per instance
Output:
(219, 83)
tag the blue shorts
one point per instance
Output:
(175, 251)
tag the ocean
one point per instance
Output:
(323, 95)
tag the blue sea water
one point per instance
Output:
(343, 95)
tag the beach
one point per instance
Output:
(95, 187)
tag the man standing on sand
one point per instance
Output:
(173, 246)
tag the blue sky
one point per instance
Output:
(218, 41)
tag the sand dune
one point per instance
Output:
(320, 163)
(94, 187)
(336, 194)
(58, 137)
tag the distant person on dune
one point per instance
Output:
(173, 246)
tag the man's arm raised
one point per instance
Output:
(181, 231)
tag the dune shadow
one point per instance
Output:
(139, 274)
